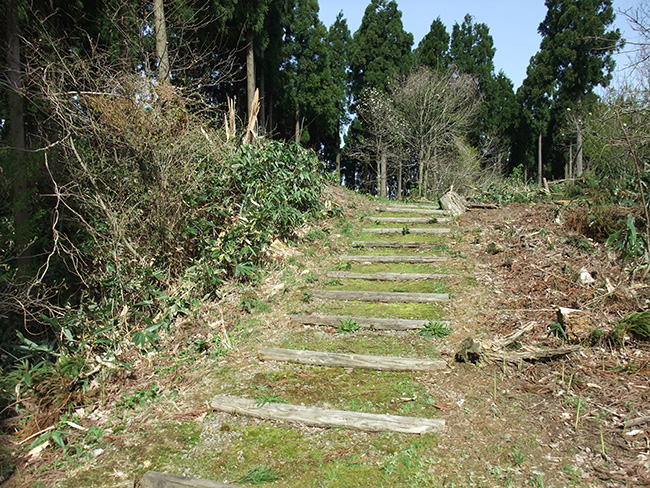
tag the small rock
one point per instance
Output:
(585, 277)
(494, 248)
(577, 324)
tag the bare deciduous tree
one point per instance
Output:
(422, 118)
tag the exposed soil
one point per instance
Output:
(580, 421)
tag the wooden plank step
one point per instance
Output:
(381, 296)
(394, 259)
(405, 220)
(363, 322)
(325, 417)
(420, 210)
(416, 230)
(153, 479)
(360, 361)
(347, 275)
(414, 205)
(393, 244)
(410, 220)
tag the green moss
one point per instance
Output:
(417, 311)
(438, 250)
(365, 342)
(429, 238)
(438, 268)
(421, 286)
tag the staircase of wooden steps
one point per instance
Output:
(325, 417)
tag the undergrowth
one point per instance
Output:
(154, 225)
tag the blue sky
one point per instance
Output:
(513, 24)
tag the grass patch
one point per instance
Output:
(437, 268)
(383, 251)
(357, 390)
(421, 286)
(428, 238)
(371, 343)
(416, 311)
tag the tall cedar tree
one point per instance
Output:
(433, 50)
(339, 39)
(381, 48)
(575, 57)
(310, 92)
(472, 51)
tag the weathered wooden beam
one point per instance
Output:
(416, 230)
(394, 259)
(393, 244)
(420, 210)
(347, 275)
(360, 361)
(153, 479)
(381, 296)
(410, 220)
(363, 322)
(323, 417)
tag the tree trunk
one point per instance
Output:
(250, 71)
(297, 134)
(16, 108)
(164, 74)
(399, 180)
(540, 165)
(338, 151)
(383, 191)
(262, 99)
(579, 167)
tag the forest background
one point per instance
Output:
(153, 150)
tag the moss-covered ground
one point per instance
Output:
(155, 414)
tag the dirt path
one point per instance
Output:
(575, 422)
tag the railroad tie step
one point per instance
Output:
(381, 296)
(348, 275)
(357, 361)
(393, 259)
(415, 210)
(393, 244)
(325, 417)
(415, 230)
(373, 323)
(410, 220)
(153, 479)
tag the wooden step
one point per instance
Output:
(363, 322)
(153, 479)
(398, 204)
(381, 296)
(337, 360)
(394, 259)
(393, 244)
(347, 275)
(420, 210)
(324, 417)
(410, 220)
(416, 230)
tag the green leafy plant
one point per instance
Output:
(635, 323)
(435, 328)
(260, 474)
(347, 326)
(626, 241)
